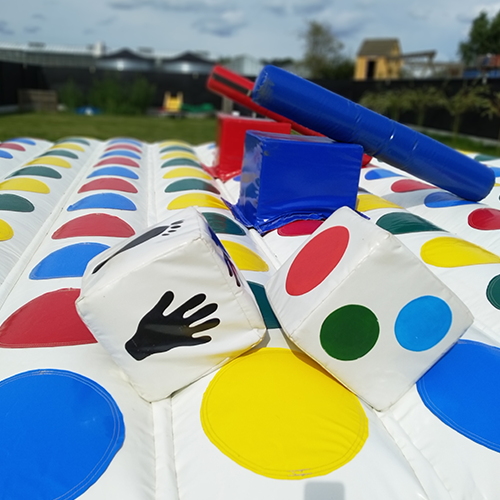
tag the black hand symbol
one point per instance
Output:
(159, 333)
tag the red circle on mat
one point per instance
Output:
(485, 219)
(407, 185)
(300, 228)
(94, 225)
(317, 260)
(12, 145)
(50, 320)
(109, 184)
(129, 147)
(118, 160)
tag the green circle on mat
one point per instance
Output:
(350, 332)
(493, 291)
(403, 223)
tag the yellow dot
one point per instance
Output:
(23, 184)
(279, 414)
(244, 258)
(68, 145)
(6, 232)
(187, 172)
(50, 160)
(174, 143)
(446, 251)
(179, 154)
(367, 202)
(196, 200)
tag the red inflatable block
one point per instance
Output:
(231, 132)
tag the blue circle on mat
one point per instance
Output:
(103, 200)
(496, 171)
(59, 431)
(461, 389)
(121, 152)
(443, 199)
(67, 262)
(379, 173)
(423, 323)
(23, 140)
(116, 171)
(5, 154)
(125, 140)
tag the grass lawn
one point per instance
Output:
(54, 126)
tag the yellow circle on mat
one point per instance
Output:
(174, 143)
(367, 202)
(50, 160)
(179, 154)
(6, 232)
(23, 184)
(68, 145)
(446, 251)
(187, 172)
(279, 414)
(244, 258)
(196, 200)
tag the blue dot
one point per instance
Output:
(496, 171)
(5, 154)
(423, 323)
(116, 171)
(443, 199)
(461, 389)
(23, 140)
(67, 262)
(103, 200)
(380, 173)
(59, 432)
(126, 140)
(121, 152)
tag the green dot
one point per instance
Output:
(37, 172)
(177, 148)
(349, 332)
(60, 152)
(222, 224)
(402, 223)
(191, 184)
(185, 162)
(493, 292)
(15, 203)
(270, 319)
(485, 157)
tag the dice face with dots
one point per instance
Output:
(169, 305)
(362, 305)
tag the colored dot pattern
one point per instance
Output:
(443, 199)
(350, 332)
(461, 390)
(404, 223)
(282, 397)
(408, 185)
(379, 173)
(423, 323)
(103, 200)
(313, 264)
(116, 171)
(58, 429)
(485, 219)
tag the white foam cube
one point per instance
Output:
(365, 308)
(169, 305)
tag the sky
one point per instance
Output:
(264, 29)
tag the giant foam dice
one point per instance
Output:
(364, 307)
(292, 177)
(169, 305)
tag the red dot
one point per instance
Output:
(407, 185)
(300, 228)
(110, 184)
(128, 147)
(50, 320)
(118, 160)
(317, 260)
(485, 219)
(94, 225)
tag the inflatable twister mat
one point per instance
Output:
(163, 337)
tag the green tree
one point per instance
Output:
(484, 38)
(468, 98)
(70, 95)
(323, 56)
(492, 109)
(423, 98)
